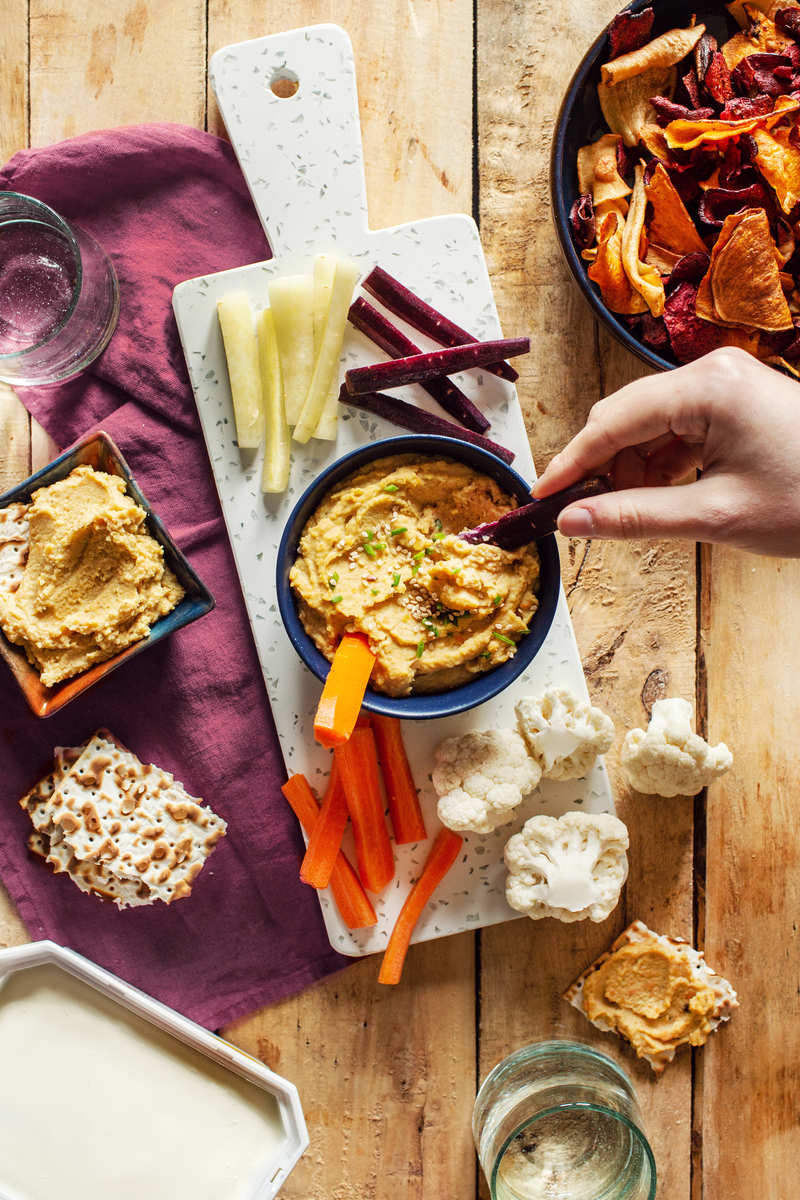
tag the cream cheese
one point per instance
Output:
(98, 1103)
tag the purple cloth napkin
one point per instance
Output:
(167, 203)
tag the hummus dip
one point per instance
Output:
(94, 580)
(382, 556)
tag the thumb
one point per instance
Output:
(699, 512)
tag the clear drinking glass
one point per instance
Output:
(59, 296)
(559, 1119)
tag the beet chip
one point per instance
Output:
(667, 111)
(717, 79)
(689, 269)
(788, 21)
(786, 343)
(719, 203)
(629, 32)
(767, 74)
(689, 335)
(582, 223)
(740, 108)
(704, 52)
(738, 168)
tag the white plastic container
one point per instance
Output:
(107, 1092)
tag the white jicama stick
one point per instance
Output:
(241, 352)
(324, 274)
(275, 475)
(292, 302)
(330, 349)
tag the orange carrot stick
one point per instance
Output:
(443, 854)
(358, 764)
(401, 793)
(344, 689)
(325, 839)
(352, 901)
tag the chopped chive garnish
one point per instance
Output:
(374, 591)
(415, 569)
(502, 638)
(438, 524)
(485, 654)
(396, 579)
(418, 557)
(391, 487)
(336, 599)
(369, 535)
(380, 545)
(333, 580)
(420, 649)
(437, 537)
(497, 600)
(396, 532)
(370, 550)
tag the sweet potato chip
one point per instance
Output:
(598, 173)
(761, 36)
(670, 226)
(607, 270)
(742, 286)
(685, 135)
(779, 162)
(626, 106)
(664, 51)
(645, 278)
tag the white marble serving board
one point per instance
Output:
(302, 159)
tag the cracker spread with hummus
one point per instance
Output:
(85, 578)
(655, 991)
(381, 556)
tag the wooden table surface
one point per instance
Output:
(458, 102)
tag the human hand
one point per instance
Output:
(728, 415)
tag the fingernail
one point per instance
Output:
(576, 522)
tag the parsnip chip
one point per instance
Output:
(598, 174)
(607, 270)
(670, 226)
(626, 105)
(685, 135)
(778, 160)
(664, 51)
(742, 286)
(643, 277)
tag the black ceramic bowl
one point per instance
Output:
(580, 121)
(483, 687)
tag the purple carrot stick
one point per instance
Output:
(380, 330)
(424, 317)
(538, 519)
(419, 368)
(417, 420)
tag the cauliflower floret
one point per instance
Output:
(570, 867)
(480, 777)
(670, 760)
(564, 733)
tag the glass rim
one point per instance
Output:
(65, 229)
(572, 1107)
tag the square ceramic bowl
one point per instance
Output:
(99, 451)
(580, 121)
(430, 705)
(112, 1094)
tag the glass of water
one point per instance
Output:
(559, 1119)
(59, 296)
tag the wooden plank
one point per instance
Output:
(751, 640)
(13, 76)
(386, 1075)
(96, 64)
(633, 606)
(414, 78)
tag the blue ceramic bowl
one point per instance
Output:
(99, 451)
(580, 121)
(478, 690)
